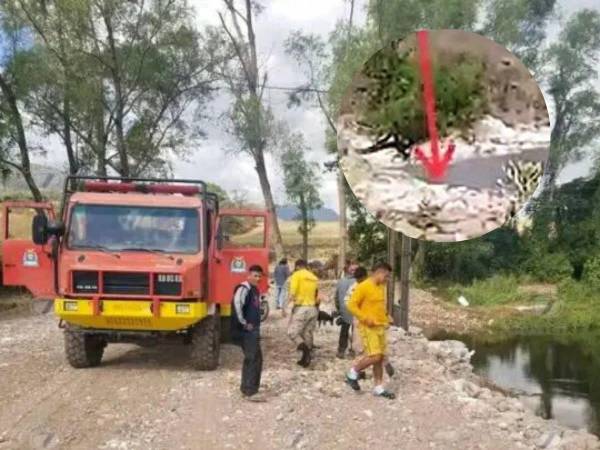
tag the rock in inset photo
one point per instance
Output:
(444, 135)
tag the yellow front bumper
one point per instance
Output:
(130, 314)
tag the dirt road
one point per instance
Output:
(149, 398)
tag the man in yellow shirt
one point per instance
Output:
(303, 293)
(368, 305)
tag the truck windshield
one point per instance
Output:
(132, 228)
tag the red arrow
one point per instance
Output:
(435, 167)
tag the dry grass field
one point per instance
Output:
(20, 224)
(322, 241)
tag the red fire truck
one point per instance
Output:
(132, 260)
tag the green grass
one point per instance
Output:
(495, 291)
(577, 310)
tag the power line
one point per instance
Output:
(299, 88)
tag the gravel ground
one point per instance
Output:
(149, 398)
(468, 204)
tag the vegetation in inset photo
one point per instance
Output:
(390, 102)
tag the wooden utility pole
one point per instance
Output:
(391, 257)
(404, 279)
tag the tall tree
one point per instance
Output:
(329, 66)
(311, 53)
(571, 73)
(251, 121)
(301, 179)
(118, 77)
(14, 146)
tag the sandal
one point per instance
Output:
(386, 394)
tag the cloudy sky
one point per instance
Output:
(212, 163)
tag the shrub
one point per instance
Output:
(591, 272)
(548, 267)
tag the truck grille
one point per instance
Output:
(127, 283)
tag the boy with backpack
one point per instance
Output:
(245, 332)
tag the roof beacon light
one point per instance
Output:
(105, 186)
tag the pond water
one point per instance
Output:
(555, 377)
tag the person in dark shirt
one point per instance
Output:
(282, 273)
(245, 332)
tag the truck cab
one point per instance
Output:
(132, 260)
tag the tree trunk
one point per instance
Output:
(304, 229)
(120, 101)
(391, 257)
(341, 181)
(404, 280)
(99, 134)
(343, 223)
(73, 163)
(418, 266)
(265, 186)
(25, 166)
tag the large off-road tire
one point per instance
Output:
(205, 345)
(264, 309)
(226, 329)
(40, 307)
(83, 350)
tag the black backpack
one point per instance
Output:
(236, 326)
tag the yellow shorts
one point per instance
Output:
(373, 340)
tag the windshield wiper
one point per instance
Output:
(102, 249)
(156, 251)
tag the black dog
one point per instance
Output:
(324, 318)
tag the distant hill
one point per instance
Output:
(290, 212)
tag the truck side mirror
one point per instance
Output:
(39, 229)
(219, 239)
(55, 228)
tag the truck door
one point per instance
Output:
(23, 262)
(241, 240)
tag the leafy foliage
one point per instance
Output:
(367, 235)
(394, 101)
(395, 19)
(591, 272)
(520, 25)
(112, 80)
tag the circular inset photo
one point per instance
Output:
(444, 135)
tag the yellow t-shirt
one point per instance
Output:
(368, 302)
(303, 287)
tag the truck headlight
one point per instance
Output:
(70, 306)
(182, 309)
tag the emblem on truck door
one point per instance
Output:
(30, 259)
(238, 264)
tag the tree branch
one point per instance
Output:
(237, 49)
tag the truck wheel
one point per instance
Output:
(83, 350)
(264, 309)
(205, 343)
(225, 329)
